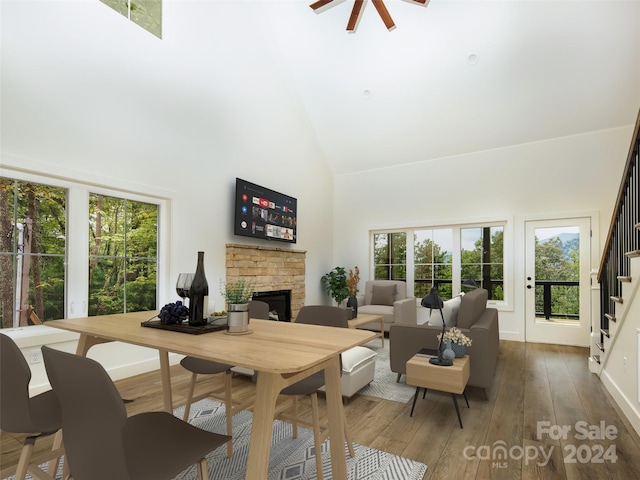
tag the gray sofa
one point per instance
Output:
(389, 299)
(475, 320)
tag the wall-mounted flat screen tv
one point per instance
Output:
(264, 213)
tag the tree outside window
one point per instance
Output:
(390, 256)
(123, 240)
(32, 252)
(482, 258)
(432, 257)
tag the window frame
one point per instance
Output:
(506, 223)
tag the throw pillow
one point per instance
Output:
(383, 295)
(449, 311)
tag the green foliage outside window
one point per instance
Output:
(559, 260)
(390, 256)
(122, 255)
(32, 251)
(433, 262)
(482, 258)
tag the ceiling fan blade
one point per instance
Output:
(419, 1)
(355, 15)
(320, 4)
(384, 14)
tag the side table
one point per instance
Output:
(452, 379)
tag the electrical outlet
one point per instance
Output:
(35, 356)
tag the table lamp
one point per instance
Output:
(431, 301)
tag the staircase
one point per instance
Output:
(615, 348)
(624, 304)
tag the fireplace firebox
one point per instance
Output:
(279, 302)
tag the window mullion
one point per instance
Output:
(77, 288)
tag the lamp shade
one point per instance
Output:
(470, 283)
(432, 299)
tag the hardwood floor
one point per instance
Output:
(534, 383)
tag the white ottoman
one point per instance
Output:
(358, 370)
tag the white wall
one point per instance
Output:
(81, 104)
(567, 176)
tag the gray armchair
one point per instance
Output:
(474, 319)
(389, 299)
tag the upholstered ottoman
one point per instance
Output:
(358, 369)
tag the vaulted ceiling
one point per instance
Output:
(453, 77)
(460, 76)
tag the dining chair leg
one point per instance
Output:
(192, 388)
(25, 458)
(315, 416)
(52, 468)
(228, 407)
(203, 469)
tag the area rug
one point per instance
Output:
(291, 459)
(384, 381)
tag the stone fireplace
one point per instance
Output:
(271, 268)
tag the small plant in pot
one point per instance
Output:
(238, 293)
(335, 283)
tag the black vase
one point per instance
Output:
(352, 303)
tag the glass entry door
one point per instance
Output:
(557, 281)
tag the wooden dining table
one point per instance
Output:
(282, 353)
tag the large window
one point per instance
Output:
(448, 257)
(32, 252)
(67, 252)
(390, 256)
(123, 240)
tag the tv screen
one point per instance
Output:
(264, 213)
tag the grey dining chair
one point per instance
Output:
(36, 416)
(102, 443)
(198, 366)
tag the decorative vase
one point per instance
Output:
(448, 352)
(352, 303)
(238, 317)
(459, 350)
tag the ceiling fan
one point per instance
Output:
(357, 9)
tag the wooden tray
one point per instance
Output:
(215, 324)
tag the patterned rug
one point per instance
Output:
(291, 459)
(384, 381)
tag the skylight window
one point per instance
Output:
(145, 13)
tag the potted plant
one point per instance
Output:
(238, 293)
(352, 285)
(335, 283)
(458, 341)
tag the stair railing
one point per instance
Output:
(623, 238)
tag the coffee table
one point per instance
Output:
(363, 319)
(452, 379)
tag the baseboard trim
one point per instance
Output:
(627, 407)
